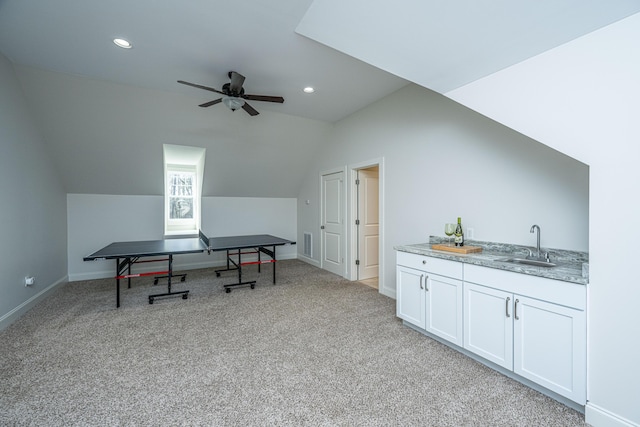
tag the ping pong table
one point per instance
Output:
(127, 254)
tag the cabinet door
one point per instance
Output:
(488, 325)
(410, 302)
(549, 343)
(444, 307)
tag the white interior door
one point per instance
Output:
(332, 223)
(368, 223)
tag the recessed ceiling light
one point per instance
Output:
(308, 89)
(122, 43)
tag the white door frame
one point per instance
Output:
(344, 226)
(367, 210)
(352, 252)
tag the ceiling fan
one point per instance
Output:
(234, 96)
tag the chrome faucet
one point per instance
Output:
(535, 227)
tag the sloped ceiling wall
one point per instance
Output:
(445, 45)
(576, 98)
(107, 138)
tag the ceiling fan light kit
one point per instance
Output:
(234, 96)
(232, 102)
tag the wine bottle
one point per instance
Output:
(459, 239)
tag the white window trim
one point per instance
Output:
(184, 225)
(184, 159)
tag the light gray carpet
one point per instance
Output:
(313, 350)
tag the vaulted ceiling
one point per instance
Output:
(198, 41)
(105, 111)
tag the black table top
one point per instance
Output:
(149, 248)
(244, 242)
(184, 246)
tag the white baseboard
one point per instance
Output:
(309, 260)
(600, 417)
(388, 293)
(76, 277)
(14, 314)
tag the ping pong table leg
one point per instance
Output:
(117, 282)
(274, 265)
(239, 266)
(170, 273)
(184, 294)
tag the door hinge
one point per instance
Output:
(357, 182)
(357, 262)
(357, 222)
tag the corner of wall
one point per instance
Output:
(13, 315)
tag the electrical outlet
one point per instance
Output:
(29, 281)
(470, 233)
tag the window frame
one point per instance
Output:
(181, 159)
(182, 224)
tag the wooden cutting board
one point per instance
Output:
(457, 249)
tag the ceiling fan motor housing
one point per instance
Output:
(226, 88)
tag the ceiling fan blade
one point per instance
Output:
(210, 103)
(237, 80)
(201, 87)
(249, 109)
(266, 98)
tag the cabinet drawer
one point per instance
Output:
(568, 294)
(439, 266)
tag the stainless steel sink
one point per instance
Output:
(525, 261)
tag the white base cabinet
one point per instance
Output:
(488, 329)
(443, 314)
(549, 344)
(410, 300)
(429, 300)
(531, 326)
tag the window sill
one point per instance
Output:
(182, 234)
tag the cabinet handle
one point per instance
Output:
(506, 307)
(424, 261)
(515, 309)
(421, 277)
(426, 283)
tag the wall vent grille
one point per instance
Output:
(307, 245)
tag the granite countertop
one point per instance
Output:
(569, 263)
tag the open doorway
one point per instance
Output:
(366, 225)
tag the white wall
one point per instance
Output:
(95, 221)
(583, 98)
(33, 214)
(441, 161)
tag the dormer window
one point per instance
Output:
(183, 189)
(181, 193)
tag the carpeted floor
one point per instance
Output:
(313, 350)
